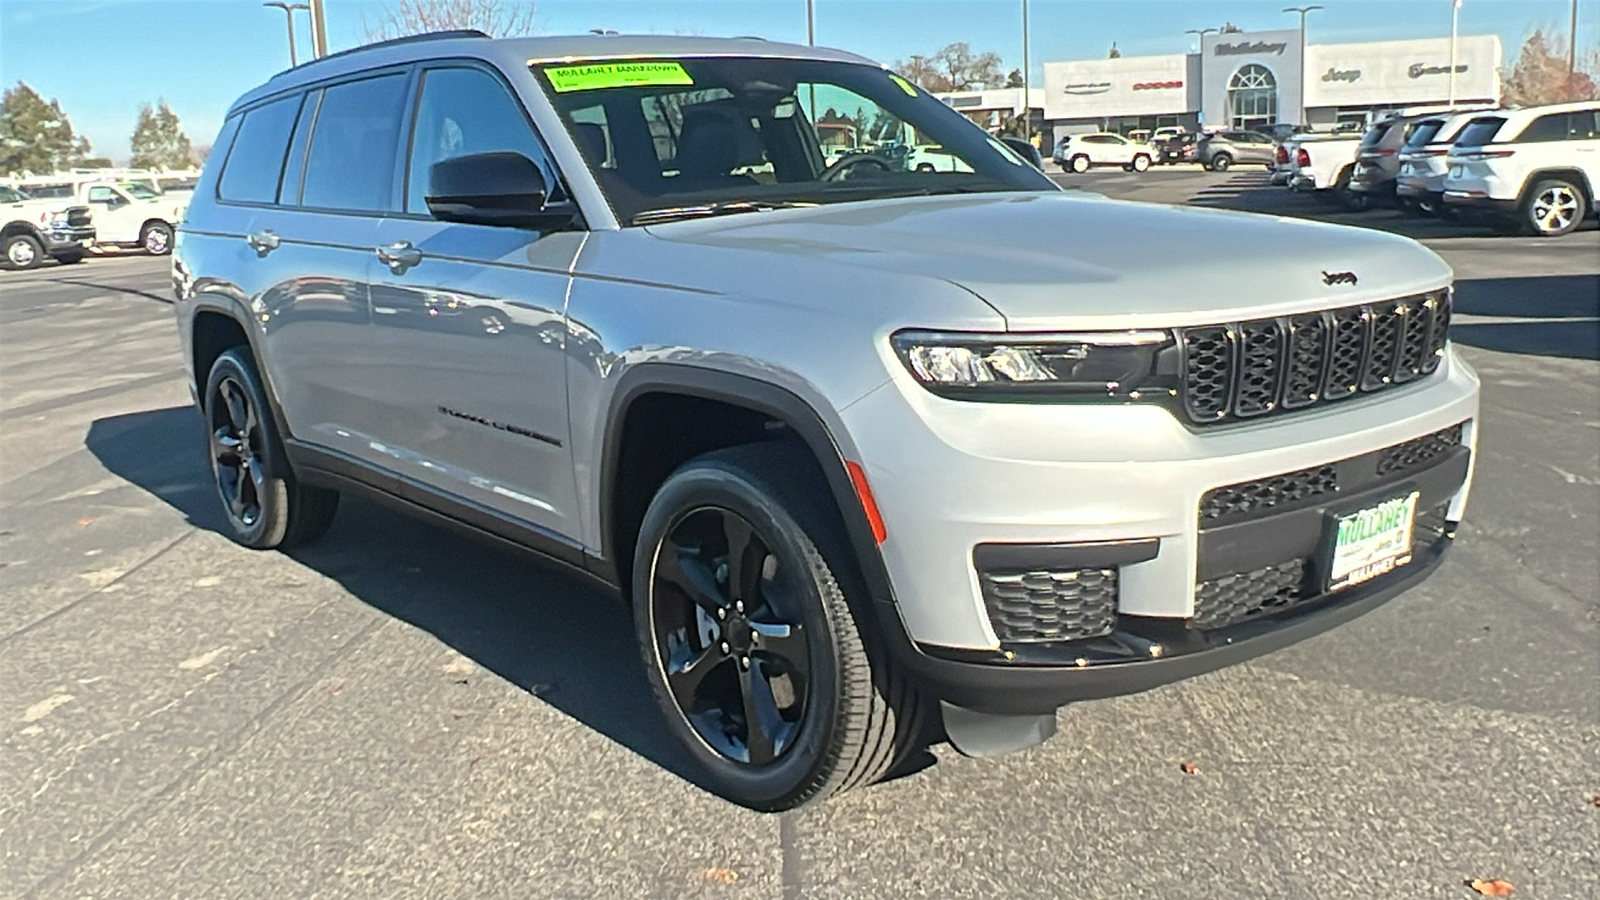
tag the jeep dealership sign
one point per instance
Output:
(1397, 73)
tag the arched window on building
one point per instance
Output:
(1252, 98)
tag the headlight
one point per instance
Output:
(1114, 364)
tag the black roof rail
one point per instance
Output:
(395, 42)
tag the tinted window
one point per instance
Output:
(1480, 131)
(351, 161)
(256, 160)
(1554, 127)
(1424, 132)
(466, 111)
(1256, 138)
(294, 169)
(1374, 134)
(1586, 125)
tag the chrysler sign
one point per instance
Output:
(1087, 87)
(1258, 47)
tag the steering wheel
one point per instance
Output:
(851, 161)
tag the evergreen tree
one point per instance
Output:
(158, 140)
(36, 136)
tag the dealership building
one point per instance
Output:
(1249, 80)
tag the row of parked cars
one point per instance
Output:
(1217, 151)
(65, 216)
(1532, 170)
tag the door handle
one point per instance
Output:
(263, 242)
(399, 256)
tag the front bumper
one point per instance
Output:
(951, 477)
(68, 238)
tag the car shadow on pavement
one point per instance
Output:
(1542, 315)
(559, 640)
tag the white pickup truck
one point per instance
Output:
(1325, 164)
(35, 230)
(132, 214)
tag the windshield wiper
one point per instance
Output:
(723, 208)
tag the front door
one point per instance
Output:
(468, 322)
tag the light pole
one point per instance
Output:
(1027, 111)
(1302, 10)
(1200, 84)
(1455, 16)
(288, 14)
(811, 23)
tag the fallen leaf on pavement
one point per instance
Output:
(84, 522)
(721, 876)
(1190, 768)
(1493, 887)
(1596, 799)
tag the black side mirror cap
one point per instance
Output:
(1024, 149)
(502, 188)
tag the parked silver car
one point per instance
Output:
(860, 445)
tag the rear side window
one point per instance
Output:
(1554, 127)
(256, 160)
(462, 112)
(1374, 135)
(350, 165)
(1480, 131)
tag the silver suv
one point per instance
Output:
(873, 455)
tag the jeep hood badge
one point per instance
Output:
(1332, 278)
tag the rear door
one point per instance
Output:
(468, 320)
(1256, 147)
(314, 249)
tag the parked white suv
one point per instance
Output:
(1422, 160)
(1078, 152)
(1532, 170)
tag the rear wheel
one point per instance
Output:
(749, 640)
(1141, 163)
(156, 238)
(1221, 162)
(1554, 207)
(1080, 164)
(22, 251)
(266, 506)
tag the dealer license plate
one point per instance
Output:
(1372, 541)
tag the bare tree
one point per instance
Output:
(954, 68)
(1540, 74)
(497, 18)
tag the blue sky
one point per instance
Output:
(102, 58)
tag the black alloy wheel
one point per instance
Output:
(734, 652)
(266, 506)
(745, 598)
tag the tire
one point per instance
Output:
(265, 506)
(839, 716)
(1554, 207)
(1141, 163)
(1080, 164)
(22, 251)
(156, 238)
(68, 259)
(1221, 162)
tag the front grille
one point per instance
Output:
(78, 216)
(1254, 496)
(1242, 370)
(1419, 451)
(1034, 605)
(1229, 599)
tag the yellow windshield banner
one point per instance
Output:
(598, 76)
(904, 85)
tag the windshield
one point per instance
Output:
(675, 138)
(1479, 131)
(139, 191)
(11, 195)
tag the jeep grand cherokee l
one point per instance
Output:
(859, 444)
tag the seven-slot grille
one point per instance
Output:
(1242, 370)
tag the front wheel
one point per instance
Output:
(1141, 163)
(1221, 162)
(156, 238)
(751, 646)
(1554, 207)
(22, 251)
(1080, 164)
(266, 507)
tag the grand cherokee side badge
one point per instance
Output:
(1332, 278)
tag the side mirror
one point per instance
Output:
(1024, 149)
(500, 188)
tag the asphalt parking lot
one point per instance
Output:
(398, 712)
